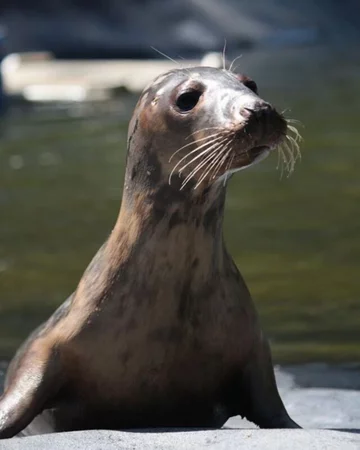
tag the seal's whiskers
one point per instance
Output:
(289, 149)
(227, 168)
(222, 161)
(203, 129)
(193, 143)
(281, 161)
(187, 69)
(293, 121)
(233, 62)
(207, 160)
(201, 164)
(208, 165)
(212, 164)
(290, 157)
(294, 145)
(197, 157)
(208, 147)
(224, 56)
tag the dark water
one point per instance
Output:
(296, 240)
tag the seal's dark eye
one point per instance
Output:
(188, 100)
(251, 85)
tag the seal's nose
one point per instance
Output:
(261, 119)
(259, 110)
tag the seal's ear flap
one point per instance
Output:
(248, 82)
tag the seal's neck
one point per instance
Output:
(162, 224)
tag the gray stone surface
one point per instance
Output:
(324, 408)
(214, 439)
(318, 396)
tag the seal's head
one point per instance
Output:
(200, 124)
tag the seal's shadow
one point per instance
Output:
(179, 430)
(169, 430)
(347, 430)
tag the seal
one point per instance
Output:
(161, 330)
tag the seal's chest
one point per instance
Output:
(144, 342)
(167, 365)
(161, 357)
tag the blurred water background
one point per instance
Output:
(296, 240)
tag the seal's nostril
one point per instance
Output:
(262, 107)
(266, 107)
(258, 110)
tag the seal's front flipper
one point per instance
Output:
(34, 382)
(260, 399)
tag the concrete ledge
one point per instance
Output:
(39, 77)
(212, 439)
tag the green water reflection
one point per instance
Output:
(295, 240)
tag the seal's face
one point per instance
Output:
(206, 123)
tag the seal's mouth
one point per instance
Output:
(257, 151)
(225, 151)
(254, 156)
(250, 156)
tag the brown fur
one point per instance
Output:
(161, 330)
